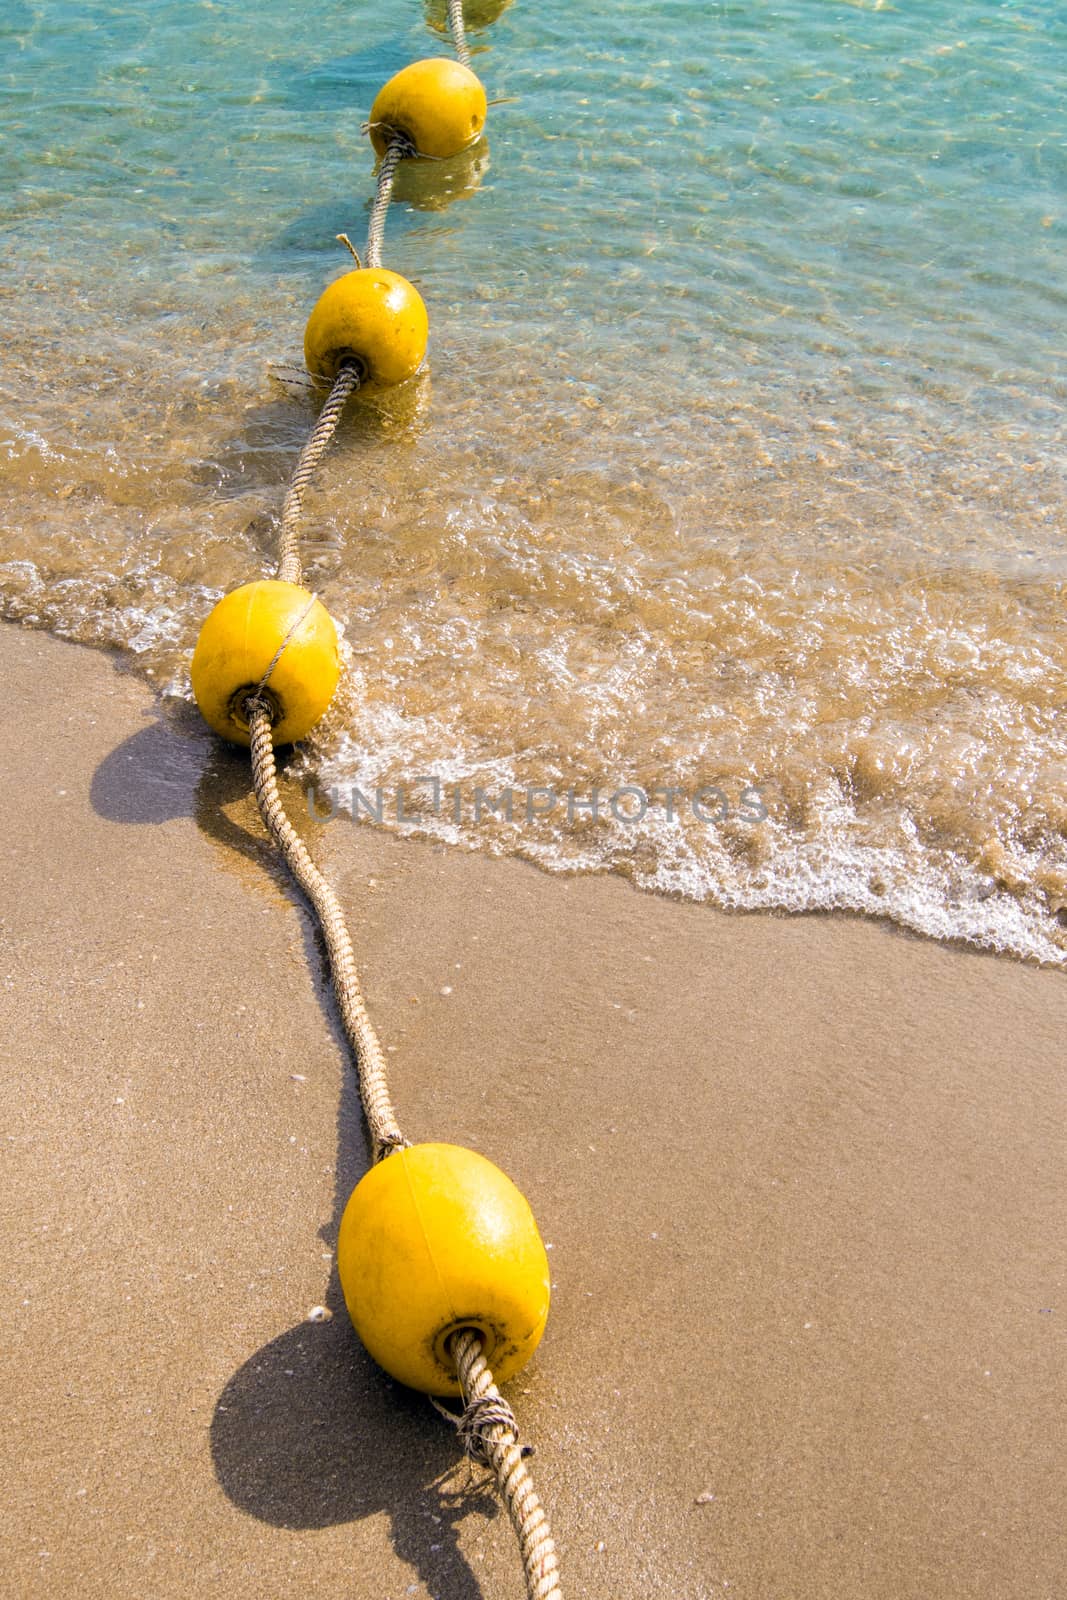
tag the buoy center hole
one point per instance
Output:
(349, 358)
(445, 1342)
(242, 700)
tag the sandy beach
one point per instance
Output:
(802, 1180)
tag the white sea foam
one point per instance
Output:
(719, 470)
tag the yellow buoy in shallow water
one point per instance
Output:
(373, 317)
(252, 627)
(435, 1238)
(438, 106)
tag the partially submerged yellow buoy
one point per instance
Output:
(373, 317)
(437, 106)
(435, 1238)
(268, 637)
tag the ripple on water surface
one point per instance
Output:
(739, 460)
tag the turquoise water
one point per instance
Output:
(740, 455)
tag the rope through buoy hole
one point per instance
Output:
(447, 1305)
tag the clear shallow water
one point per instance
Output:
(740, 457)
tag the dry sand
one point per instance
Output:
(802, 1180)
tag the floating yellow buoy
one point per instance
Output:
(438, 106)
(434, 1239)
(374, 317)
(240, 640)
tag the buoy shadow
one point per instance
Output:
(310, 239)
(254, 458)
(477, 14)
(309, 1433)
(173, 767)
(435, 185)
(152, 776)
(343, 84)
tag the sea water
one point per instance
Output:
(726, 520)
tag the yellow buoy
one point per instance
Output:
(374, 317)
(438, 106)
(435, 1238)
(252, 627)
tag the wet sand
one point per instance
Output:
(803, 1182)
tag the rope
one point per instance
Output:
(359, 1030)
(399, 147)
(488, 1423)
(277, 656)
(472, 1423)
(347, 382)
(459, 34)
(487, 1426)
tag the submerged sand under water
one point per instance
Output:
(739, 600)
(737, 464)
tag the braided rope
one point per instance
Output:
(399, 147)
(359, 1030)
(487, 1426)
(489, 1420)
(347, 381)
(459, 33)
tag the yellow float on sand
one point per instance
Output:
(435, 1238)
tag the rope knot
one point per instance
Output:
(257, 697)
(491, 1411)
(480, 1415)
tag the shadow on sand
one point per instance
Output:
(309, 1432)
